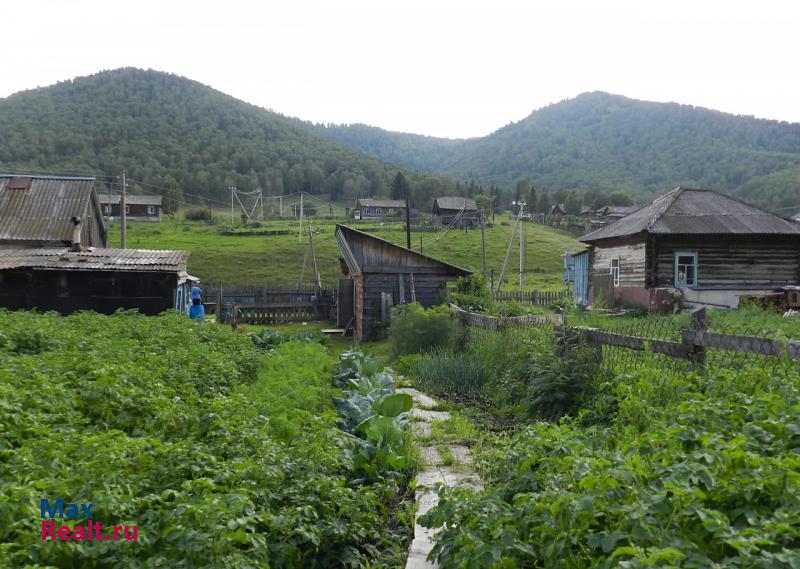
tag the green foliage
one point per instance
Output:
(376, 415)
(416, 329)
(602, 142)
(198, 215)
(659, 468)
(267, 340)
(177, 426)
(449, 372)
(175, 133)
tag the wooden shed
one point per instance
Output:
(381, 274)
(693, 246)
(102, 280)
(456, 211)
(138, 208)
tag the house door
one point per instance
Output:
(581, 276)
(345, 299)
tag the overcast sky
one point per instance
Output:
(442, 68)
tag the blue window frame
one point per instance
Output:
(685, 269)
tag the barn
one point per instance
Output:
(455, 211)
(381, 274)
(691, 246)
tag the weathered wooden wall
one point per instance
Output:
(732, 262)
(102, 291)
(632, 262)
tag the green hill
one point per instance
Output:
(172, 132)
(609, 142)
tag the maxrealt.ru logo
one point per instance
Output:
(76, 513)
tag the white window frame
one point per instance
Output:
(151, 210)
(676, 280)
(127, 209)
(378, 211)
(614, 270)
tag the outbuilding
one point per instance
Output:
(692, 246)
(456, 212)
(381, 274)
(137, 208)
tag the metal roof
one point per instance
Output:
(130, 199)
(369, 202)
(43, 210)
(690, 211)
(60, 258)
(455, 203)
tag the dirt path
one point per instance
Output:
(459, 472)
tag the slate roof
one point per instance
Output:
(94, 259)
(41, 208)
(690, 211)
(456, 203)
(129, 199)
(370, 202)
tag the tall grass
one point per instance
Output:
(451, 372)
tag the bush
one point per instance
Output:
(416, 329)
(198, 215)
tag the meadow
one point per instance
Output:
(278, 259)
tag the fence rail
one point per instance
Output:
(693, 345)
(270, 304)
(534, 297)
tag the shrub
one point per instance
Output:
(416, 329)
(198, 215)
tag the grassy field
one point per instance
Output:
(279, 258)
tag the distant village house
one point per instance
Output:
(370, 208)
(691, 246)
(137, 208)
(456, 212)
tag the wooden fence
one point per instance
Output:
(693, 346)
(269, 304)
(535, 297)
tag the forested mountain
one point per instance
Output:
(169, 131)
(599, 141)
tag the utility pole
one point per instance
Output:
(123, 216)
(300, 233)
(483, 241)
(280, 205)
(233, 190)
(408, 225)
(521, 247)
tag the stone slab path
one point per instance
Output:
(434, 472)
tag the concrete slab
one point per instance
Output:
(430, 415)
(420, 399)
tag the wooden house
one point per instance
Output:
(50, 211)
(692, 246)
(138, 208)
(98, 279)
(382, 274)
(369, 208)
(456, 212)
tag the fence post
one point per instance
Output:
(697, 349)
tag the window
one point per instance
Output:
(378, 211)
(615, 271)
(685, 269)
(151, 210)
(127, 209)
(106, 209)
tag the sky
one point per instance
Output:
(437, 67)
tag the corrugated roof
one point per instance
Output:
(690, 211)
(94, 259)
(114, 199)
(43, 210)
(370, 202)
(455, 203)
